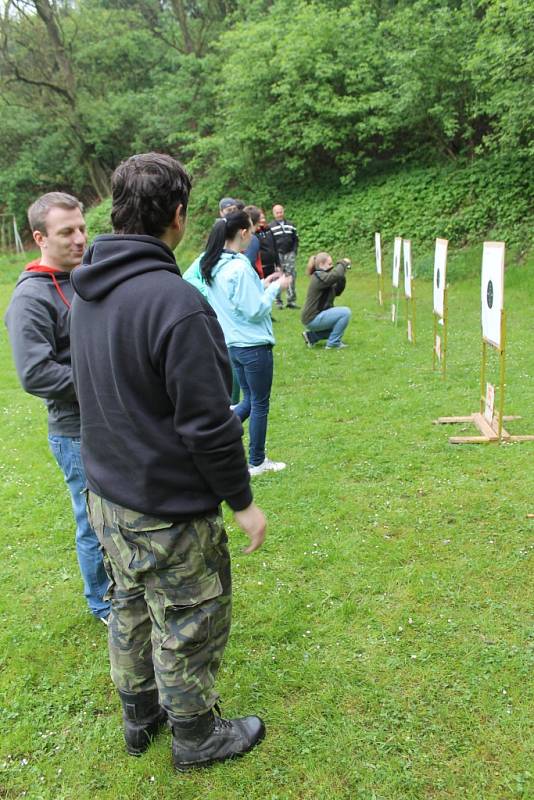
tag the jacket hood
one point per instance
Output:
(226, 256)
(34, 269)
(112, 259)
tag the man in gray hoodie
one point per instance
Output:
(37, 320)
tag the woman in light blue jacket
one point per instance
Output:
(242, 302)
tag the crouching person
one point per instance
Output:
(162, 450)
(321, 318)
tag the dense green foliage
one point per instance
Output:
(384, 631)
(273, 97)
(460, 202)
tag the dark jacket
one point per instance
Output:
(285, 235)
(153, 380)
(37, 321)
(270, 258)
(324, 287)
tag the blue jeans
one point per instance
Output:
(66, 450)
(330, 324)
(254, 369)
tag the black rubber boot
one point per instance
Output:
(142, 718)
(202, 740)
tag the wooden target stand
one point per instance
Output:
(380, 288)
(488, 420)
(395, 290)
(440, 311)
(410, 315)
(379, 271)
(409, 292)
(439, 350)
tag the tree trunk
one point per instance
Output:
(99, 177)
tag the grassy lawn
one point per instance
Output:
(384, 631)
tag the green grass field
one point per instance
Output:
(384, 632)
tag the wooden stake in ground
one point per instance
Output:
(397, 248)
(409, 292)
(488, 420)
(379, 273)
(441, 307)
(9, 235)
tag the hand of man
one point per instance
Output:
(252, 521)
(284, 281)
(274, 276)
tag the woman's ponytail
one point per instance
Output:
(224, 229)
(316, 262)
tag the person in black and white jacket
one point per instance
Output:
(287, 242)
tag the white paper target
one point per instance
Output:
(440, 275)
(397, 247)
(407, 259)
(492, 291)
(378, 254)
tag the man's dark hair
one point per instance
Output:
(38, 211)
(146, 191)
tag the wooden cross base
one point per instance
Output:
(490, 434)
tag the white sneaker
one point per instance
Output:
(266, 466)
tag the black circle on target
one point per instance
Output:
(438, 278)
(489, 294)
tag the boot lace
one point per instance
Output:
(220, 722)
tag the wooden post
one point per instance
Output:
(445, 329)
(502, 361)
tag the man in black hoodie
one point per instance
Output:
(38, 325)
(162, 450)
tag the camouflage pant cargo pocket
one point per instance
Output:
(188, 615)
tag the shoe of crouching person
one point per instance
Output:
(142, 718)
(208, 738)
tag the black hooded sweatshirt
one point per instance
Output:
(153, 381)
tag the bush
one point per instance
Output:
(98, 219)
(464, 202)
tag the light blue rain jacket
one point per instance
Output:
(237, 296)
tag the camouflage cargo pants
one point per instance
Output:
(170, 592)
(288, 262)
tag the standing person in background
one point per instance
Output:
(321, 318)
(227, 205)
(287, 242)
(269, 255)
(253, 250)
(162, 450)
(38, 325)
(243, 303)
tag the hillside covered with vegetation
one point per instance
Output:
(411, 116)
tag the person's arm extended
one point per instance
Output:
(250, 299)
(332, 276)
(32, 335)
